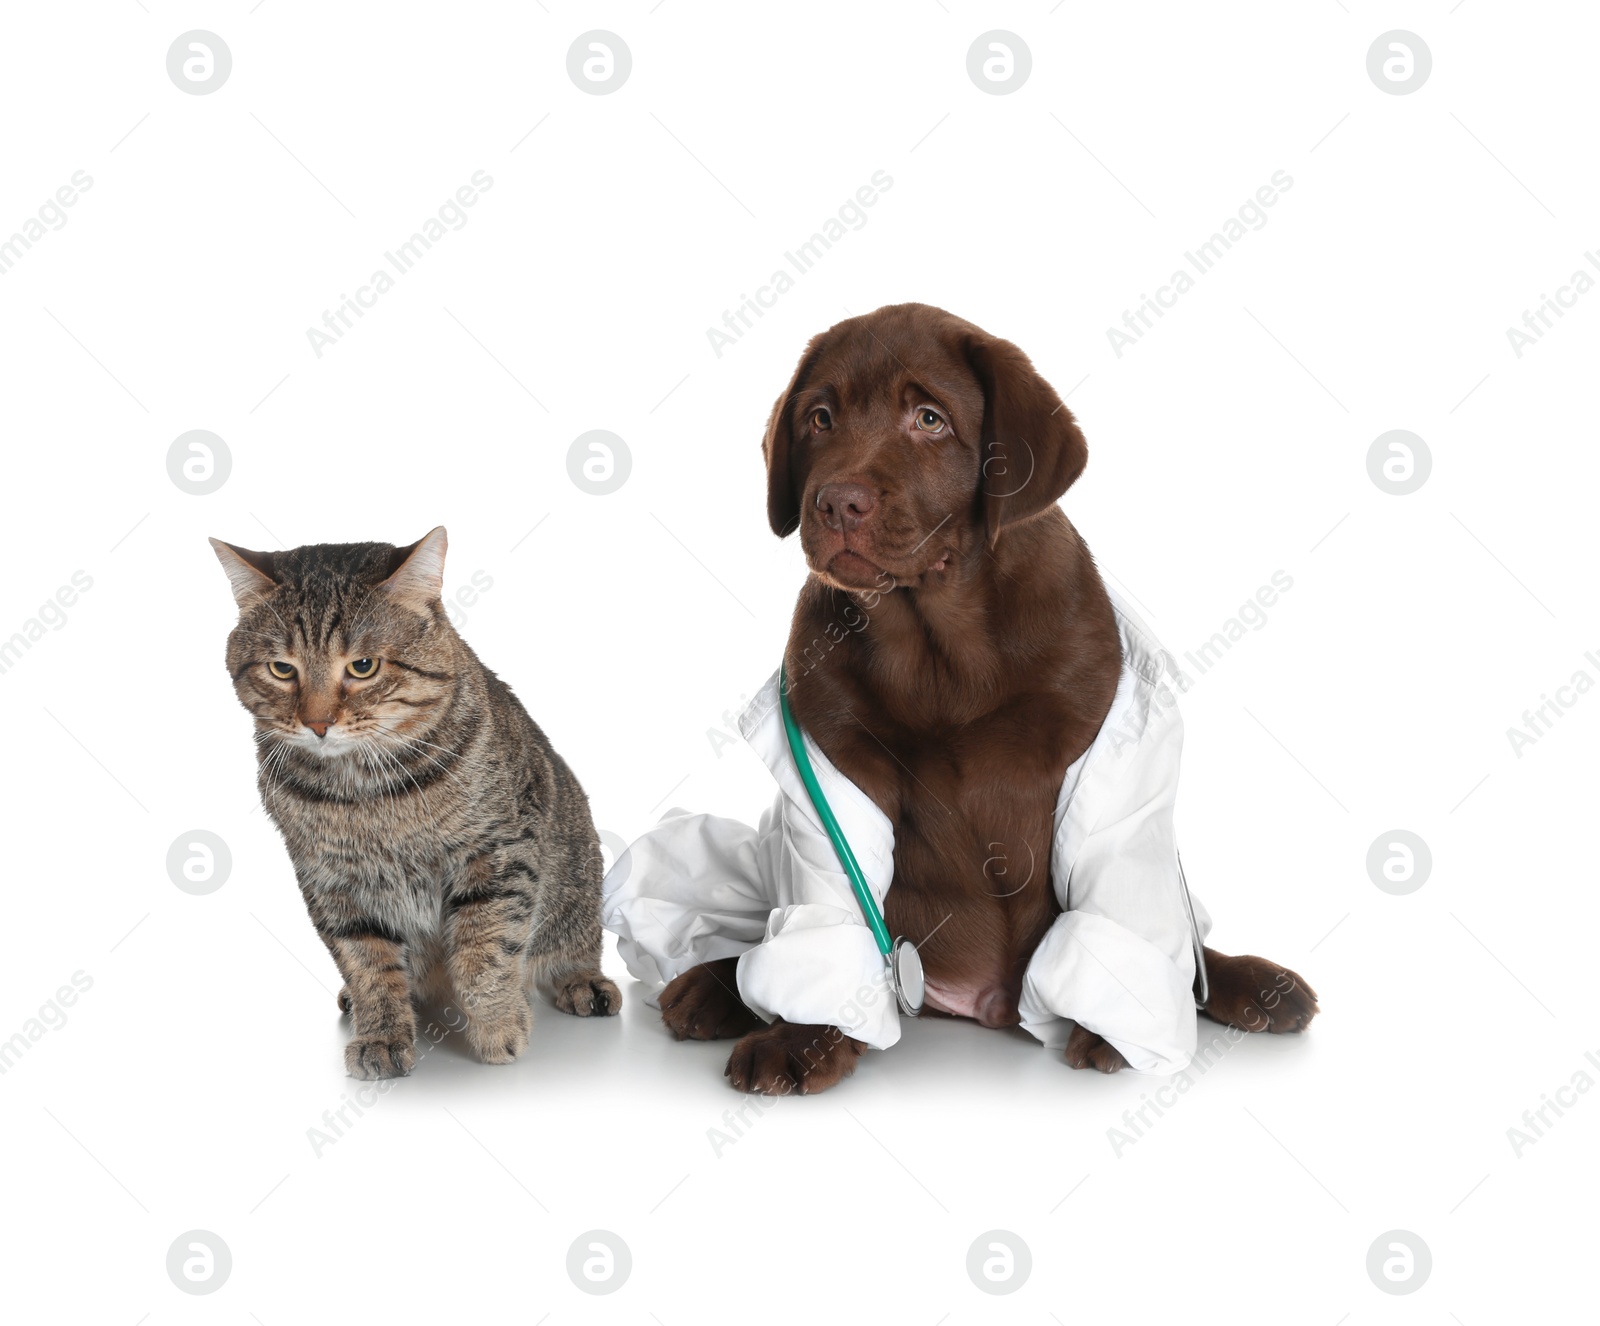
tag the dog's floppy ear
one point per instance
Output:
(783, 495)
(1032, 447)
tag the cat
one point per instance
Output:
(443, 848)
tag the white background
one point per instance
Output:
(1228, 444)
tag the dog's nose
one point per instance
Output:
(845, 505)
(320, 726)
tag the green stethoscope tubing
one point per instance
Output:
(847, 858)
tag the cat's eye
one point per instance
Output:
(930, 421)
(361, 667)
(281, 670)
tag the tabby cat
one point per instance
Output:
(443, 848)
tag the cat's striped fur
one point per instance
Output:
(443, 848)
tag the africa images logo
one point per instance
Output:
(1203, 258)
(802, 258)
(402, 258)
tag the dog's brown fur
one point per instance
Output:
(952, 652)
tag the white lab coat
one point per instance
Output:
(1121, 959)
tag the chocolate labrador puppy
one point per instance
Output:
(988, 661)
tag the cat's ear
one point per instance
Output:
(250, 573)
(418, 581)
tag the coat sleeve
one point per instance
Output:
(1121, 958)
(817, 961)
(687, 891)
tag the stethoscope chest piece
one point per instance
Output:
(905, 971)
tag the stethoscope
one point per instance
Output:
(900, 957)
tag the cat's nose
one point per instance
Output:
(320, 726)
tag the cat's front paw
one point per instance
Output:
(498, 1037)
(369, 1057)
(587, 994)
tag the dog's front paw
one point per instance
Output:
(703, 1004)
(1088, 1049)
(790, 1058)
(369, 1057)
(1257, 995)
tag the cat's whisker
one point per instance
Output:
(272, 765)
(422, 800)
(386, 797)
(466, 761)
(466, 766)
(378, 744)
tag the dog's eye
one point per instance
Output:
(821, 419)
(930, 421)
(281, 670)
